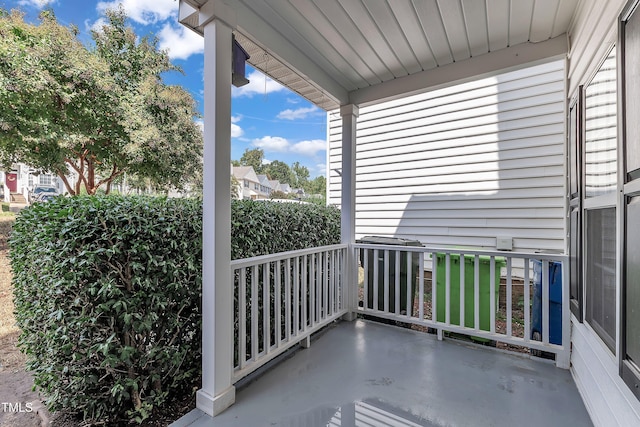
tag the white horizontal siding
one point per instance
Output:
(463, 165)
(595, 370)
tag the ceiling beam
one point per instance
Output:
(459, 72)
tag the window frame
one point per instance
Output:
(630, 188)
(608, 199)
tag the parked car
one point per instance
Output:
(44, 197)
(33, 195)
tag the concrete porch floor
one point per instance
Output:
(366, 374)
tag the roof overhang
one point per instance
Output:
(301, 45)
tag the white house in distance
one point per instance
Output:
(254, 186)
(470, 126)
(22, 179)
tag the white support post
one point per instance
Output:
(217, 392)
(349, 115)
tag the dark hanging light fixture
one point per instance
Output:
(239, 57)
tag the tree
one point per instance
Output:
(98, 112)
(235, 185)
(280, 171)
(301, 174)
(318, 185)
(253, 158)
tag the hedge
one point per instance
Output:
(107, 293)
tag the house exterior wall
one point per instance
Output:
(595, 367)
(464, 164)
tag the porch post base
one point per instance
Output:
(214, 405)
(350, 316)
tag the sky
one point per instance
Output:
(265, 114)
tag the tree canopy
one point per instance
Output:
(93, 113)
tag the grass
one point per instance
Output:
(5, 211)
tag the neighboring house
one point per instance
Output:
(484, 120)
(285, 188)
(249, 181)
(265, 187)
(21, 180)
(275, 185)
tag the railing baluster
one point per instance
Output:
(319, 270)
(396, 299)
(325, 285)
(365, 284)
(527, 301)
(545, 301)
(312, 290)
(287, 297)
(492, 294)
(278, 303)
(509, 299)
(434, 287)
(376, 265)
(476, 292)
(242, 318)
(254, 313)
(409, 283)
(462, 284)
(421, 285)
(386, 281)
(296, 296)
(447, 288)
(305, 299)
(266, 309)
(332, 292)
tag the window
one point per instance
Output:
(575, 204)
(600, 130)
(599, 169)
(246, 183)
(601, 273)
(45, 179)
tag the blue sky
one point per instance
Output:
(265, 115)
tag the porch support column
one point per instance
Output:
(217, 392)
(349, 115)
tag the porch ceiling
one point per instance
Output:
(336, 52)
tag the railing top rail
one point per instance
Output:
(458, 251)
(248, 262)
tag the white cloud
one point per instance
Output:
(143, 11)
(236, 131)
(321, 169)
(96, 26)
(256, 86)
(299, 113)
(180, 41)
(272, 143)
(236, 119)
(278, 144)
(38, 4)
(310, 147)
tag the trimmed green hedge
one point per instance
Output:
(261, 228)
(107, 293)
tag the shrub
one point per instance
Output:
(261, 228)
(107, 293)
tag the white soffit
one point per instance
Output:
(334, 52)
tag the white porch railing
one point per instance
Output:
(470, 306)
(281, 299)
